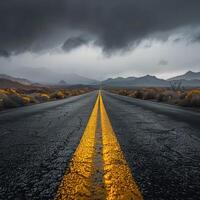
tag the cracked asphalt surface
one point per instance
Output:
(161, 144)
(36, 144)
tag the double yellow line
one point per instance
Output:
(118, 182)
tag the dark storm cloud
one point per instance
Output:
(33, 25)
(4, 53)
(196, 38)
(74, 42)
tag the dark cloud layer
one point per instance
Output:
(74, 42)
(34, 25)
(4, 53)
(196, 38)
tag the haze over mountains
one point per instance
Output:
(54, 79)
(14, 79)
(187, 76)
(150, 81)
(47, 76)
(189, 79)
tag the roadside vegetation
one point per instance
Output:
(179, 96)
(12, 98)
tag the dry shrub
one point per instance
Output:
(39, 97)
(170, 94)
(149, 94)
(57, 95)
(10, 98)
(12, 101)
(44, 97)
(1, 103)
(68, 93)
(193, 97)
(139, 94)
(60, 95)
(124, 92)
(3, 92)
(190, 97)
(26, 99)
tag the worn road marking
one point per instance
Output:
(119, 181)
(77, 182)
(98, 169)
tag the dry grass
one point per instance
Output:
(189, 97)
(11, 98)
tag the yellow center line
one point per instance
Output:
(78, 181)
(119, 181)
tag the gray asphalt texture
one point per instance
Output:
(36, 144)
(161, 144)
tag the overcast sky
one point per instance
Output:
(99, 39)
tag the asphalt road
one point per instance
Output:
(161, 144)
(36, 144)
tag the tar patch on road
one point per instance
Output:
(98, 169)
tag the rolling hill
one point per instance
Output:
(14, 79)
(6, 83)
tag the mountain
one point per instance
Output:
(145, 81)
(6, 83)
(119, 81)
(75, 79)
(14, 79)
(190, 83)
(62, 83)
(189, 79)
(187, 76)
(150, 81)
(47, 76)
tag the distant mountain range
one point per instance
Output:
(150, 81)
(5, 83)
(189, 79)
(75, 79)
(119, 81)
(144, 81)
(17, 84)
(65, 79)
(62, 83)
(14, 79)
(187, 76)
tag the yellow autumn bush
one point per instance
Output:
(11, 98)
(189, 97)
(26, 99)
